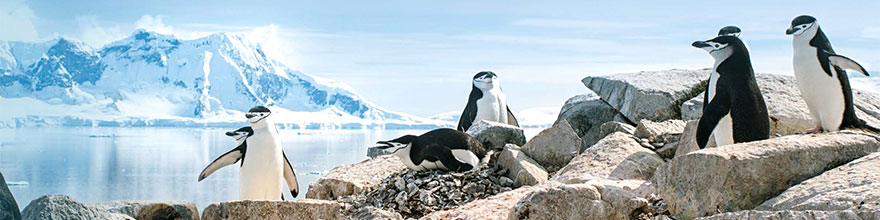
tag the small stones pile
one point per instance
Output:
(656, 209)
(655, 143)
(415, 194)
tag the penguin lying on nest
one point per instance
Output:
(443, 148)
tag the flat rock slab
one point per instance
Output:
(787, 109)
(656, 95)
(586, 114)
(8, 207)
(305, 209)
(841, 188)
(520, 168)
(617, 156)
(495, 135)
(355, 178)
(858, 214)
(742, 176)
(650, 130)
(496, 207)
(593, 200)
(554, 146)
(64, 207)
(613, 126)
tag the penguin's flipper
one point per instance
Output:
(712, 114)
(452, 159)
(467, 117)
(290, 176)
(846, 63)
(510, 118)
(226, 159)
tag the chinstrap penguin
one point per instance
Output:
(821, 78)
(486, 102)
(231, 157)
(443, 148)
(264, 167)
(734, 109)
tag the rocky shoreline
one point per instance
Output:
(624, 151)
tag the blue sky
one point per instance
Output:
(419, 57)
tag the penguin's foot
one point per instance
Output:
(815, 130)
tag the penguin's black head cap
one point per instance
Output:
(393, 146)
(485, 73)
(257, 114)
(246, 131)
(730, 30)
(799, 24)
(257, 109)
(721, 43)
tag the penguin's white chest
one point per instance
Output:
(261, 175)
(822, 93)
(723, 131)
(492, 106)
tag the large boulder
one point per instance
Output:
(787, 109)
(554, 146)
(495, 207)
(305, 209)
(354, 178)
(586, 113)
(592, 200)
(370, 212)
(656, 96)
(8, 207)
(616, 157)
(841, 188)
(520, 168)
(64, 207)
(741, 176)
(495, 135)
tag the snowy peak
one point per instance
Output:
(151, 75)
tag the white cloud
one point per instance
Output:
(153, 23)
(17, 21)
(95, 34)
(579, 24)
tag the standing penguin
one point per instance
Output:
(233, 155)
(821, 78)
(264, 167)
(486, 102)
(442, 148)
(734, 108)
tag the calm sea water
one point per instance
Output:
(103, 164)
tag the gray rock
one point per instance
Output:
(586, 113)
(494, 207)
(788, 111)
(354, 178)
(655, 96)
(523, 170)
(495, 135)
(688, 141)
(371, 212)
(858, 214)
(591, 200)
(741, 176)
(305, 209)
(614, 126)
(615, 157)
(375, 152)
(652, 130)
(845, 187)
(554, 146)
(8, 207)
(64, 207)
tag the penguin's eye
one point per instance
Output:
(716, 46)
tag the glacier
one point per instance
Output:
(151, 79)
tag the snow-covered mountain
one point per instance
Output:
(160, 80)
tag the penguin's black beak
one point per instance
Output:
(229, 133)
(700, 44)
(791, 30)
(249, 116)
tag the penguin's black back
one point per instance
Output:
(823, 50)
(747, 108)
(470, 110)
(443, 137)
